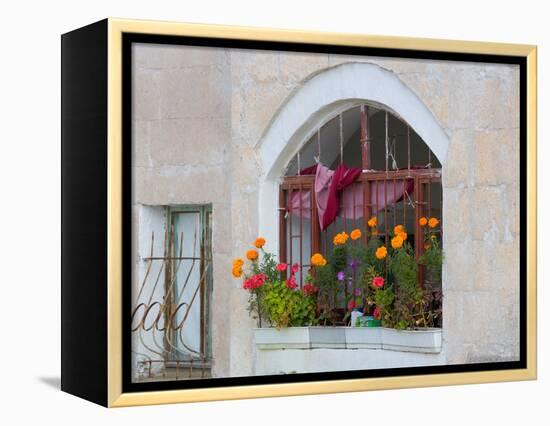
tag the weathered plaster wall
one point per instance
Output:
(182, 152)
(199, 118)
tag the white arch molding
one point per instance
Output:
(321, 97)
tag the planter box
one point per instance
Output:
(422, 340)
(363, 337)
(327, 337)
(300, 338)
(284, 338)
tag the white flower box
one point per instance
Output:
(364, 337)
(283, 338)
(422, 340)
(327, 337)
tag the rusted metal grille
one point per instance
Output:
(300, 234)
(170, 314)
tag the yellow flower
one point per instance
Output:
(355, 234)
(403, 235)
(381, 252)
(423, 221)
(397, 242)
(398, 229)
(238, 262)
(237, 271)
(373, 221)
(259, 243)
(318, 260)
(340, 239)
(252, 255)
(433, 222)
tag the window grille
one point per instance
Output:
(173, 325)
(394, 160)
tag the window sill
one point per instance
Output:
(422, 340)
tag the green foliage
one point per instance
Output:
(365, 254)
(338, 258)
(285, 307)
(404, 268)
(432, 258)
(384, 301)
(328, 287)
(268, 266)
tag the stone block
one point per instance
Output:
(458, 170)
(489, 212)
(496, 157)
(482, 99)
(254, 66)
(179, 185)
(141, 147)
(196, 92)
(254, 107)
(146, 92)
(190, 141)
(296, 67)
(457, 214)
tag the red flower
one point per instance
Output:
(378, 282)
(309, 289)
(351, 305)
(281, 267)
(376, 313)
(291, 283)
(254, 282)
(295, 268)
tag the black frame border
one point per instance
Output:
(129, 38)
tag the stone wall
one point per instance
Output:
(199, 115)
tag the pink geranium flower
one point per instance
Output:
(378, 282)
(376, 313)
(291, 283)
(351, 305)
(281, 267)
(309, 289)
(295, 268)
(254, 282)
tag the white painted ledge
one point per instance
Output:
(427, 341)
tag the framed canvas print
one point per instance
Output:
(250, 212)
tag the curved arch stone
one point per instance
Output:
(326, 93)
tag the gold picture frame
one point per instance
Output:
(116, 28)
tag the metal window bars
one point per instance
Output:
(167, 342)
(424, 200)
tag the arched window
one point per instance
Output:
(363, 153)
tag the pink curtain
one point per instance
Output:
(382, 194)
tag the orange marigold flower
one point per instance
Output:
(355, 234)
(252, 255)
(423, 221)
(397, 242)
(398, 229)
(238, 262)
(318, 260)
(374, 232)
(381, 252)
(373, 221)
(259, 243)
(433, 222)
(340, 239)
(403, 235)
(237, 271)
